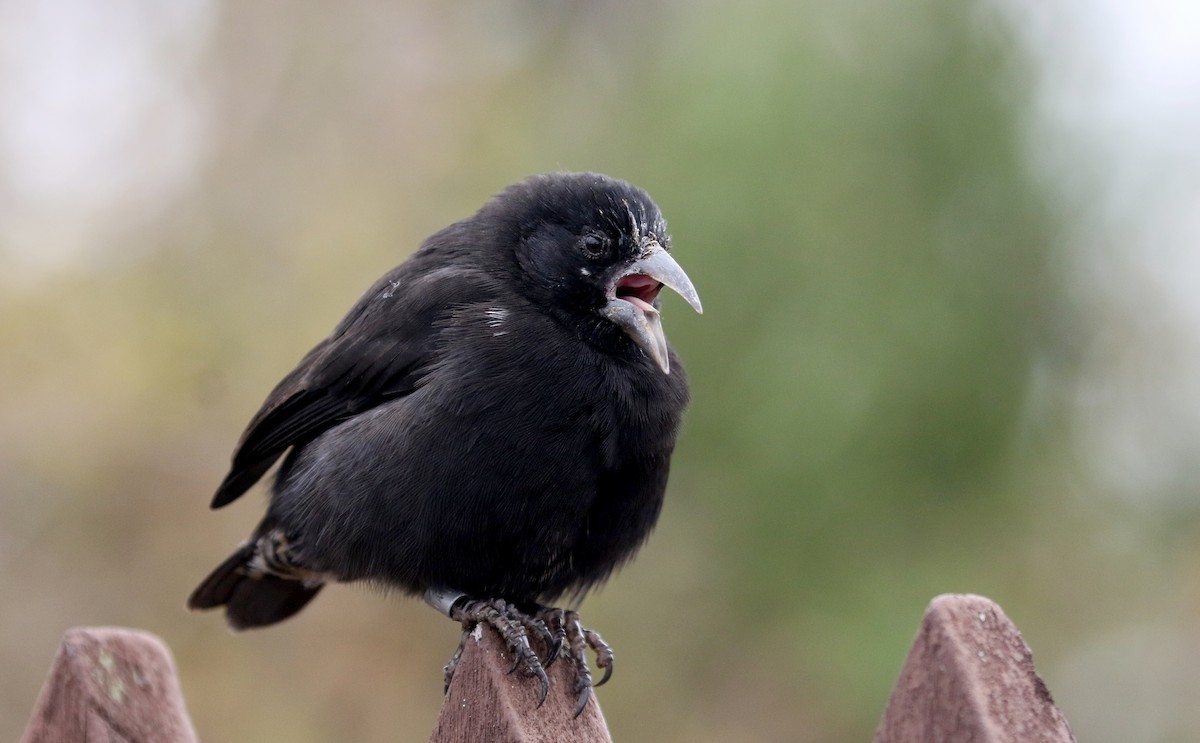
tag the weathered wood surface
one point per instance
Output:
(487, 703)
(110, 685)
(969, 678)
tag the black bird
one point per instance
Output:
(490, 426)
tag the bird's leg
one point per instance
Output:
(452, 664)
(514, 626)
(559, 630)
(565, 628)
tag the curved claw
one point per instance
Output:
(584, 694)
(559, 631)
(545, 683)
(452, 664)
(546, 636)
(604, 654)
(607, 675)
(556, 640)
(553, 651)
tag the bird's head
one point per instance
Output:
(594, 251)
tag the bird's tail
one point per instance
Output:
(252, 588)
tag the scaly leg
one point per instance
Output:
(559, 630)
(565, 627)
(511, 623)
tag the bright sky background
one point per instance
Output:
(101, 122)
(1116, 133)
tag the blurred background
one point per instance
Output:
(951, 342)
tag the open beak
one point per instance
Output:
(632, 295)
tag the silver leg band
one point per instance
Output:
(443, 599)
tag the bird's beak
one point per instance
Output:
(633, 292)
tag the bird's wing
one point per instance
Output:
(377, 353)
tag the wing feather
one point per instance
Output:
(377, 353)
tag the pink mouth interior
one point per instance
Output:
(638, 289)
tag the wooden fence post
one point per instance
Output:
(969, 678)
(487, 703)
(112, 685)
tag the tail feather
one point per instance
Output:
(251, 598)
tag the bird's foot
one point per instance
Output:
(558, 630)
(565, 628)
(515, 627)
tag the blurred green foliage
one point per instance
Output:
(844, 183)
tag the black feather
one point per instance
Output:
(476, 422)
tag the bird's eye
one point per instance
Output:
(593, 244)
